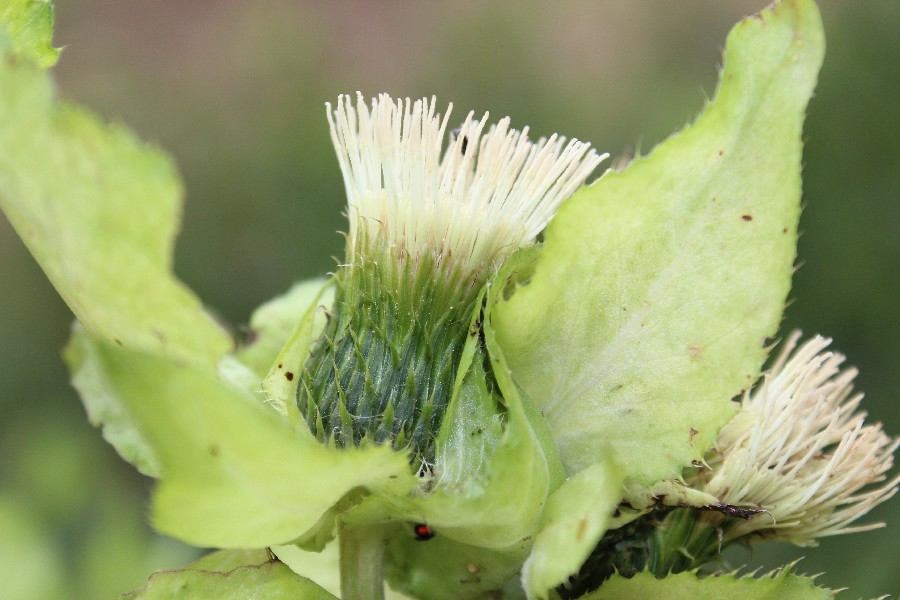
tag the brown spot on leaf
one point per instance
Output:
(692, 433)
(475, 329)
(213, 450)
(582, 529)
(747, 217)
(694, 351)
(289, 376)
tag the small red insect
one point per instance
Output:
(423, 532)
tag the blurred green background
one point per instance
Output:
(235, 91)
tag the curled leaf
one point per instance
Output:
(576, 517)
(233, 473)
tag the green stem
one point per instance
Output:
(362, 562)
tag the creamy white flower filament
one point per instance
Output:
(470, 206)
(800, 450)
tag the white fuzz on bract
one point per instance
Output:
(799, 450)
(488, 194)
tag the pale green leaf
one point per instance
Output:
(234, 473)
(103, 406)
(472, 431)
(28, 25)
(473, 425)
(650, 305)
(321, 567)
(273, 323)
(269, 580)
(99, 211)
(105, 409)
(282, 376)
(519, 265)
(240, 375)
(576, 517)
(782, 585)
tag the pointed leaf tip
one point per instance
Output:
(28, 28)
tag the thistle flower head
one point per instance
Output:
(800, 451)
(491, 192)
(428, 227)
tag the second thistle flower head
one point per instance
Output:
(800, 451)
